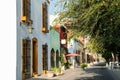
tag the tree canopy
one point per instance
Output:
(100, 19)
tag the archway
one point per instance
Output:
(57, 58)
(52, 58)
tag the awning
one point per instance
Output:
(72, 54)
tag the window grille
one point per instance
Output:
(45, 57)
(26, 57)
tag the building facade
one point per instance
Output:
(75, 46)
(63, 43)
(55, 48)
(33, 45)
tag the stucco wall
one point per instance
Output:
(22, 32)
(75, 46)
(54, 42)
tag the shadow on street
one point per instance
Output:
(97, 72)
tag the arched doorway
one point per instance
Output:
(52, 58)
(35, 56)
(57, 58)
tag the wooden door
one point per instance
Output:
(35, 57)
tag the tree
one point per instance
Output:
(100, 19)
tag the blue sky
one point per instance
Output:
(52, 7)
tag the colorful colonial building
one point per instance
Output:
(33, 38)
(55, 48)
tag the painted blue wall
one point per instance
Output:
(22, 32)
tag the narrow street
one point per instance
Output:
(95, 72)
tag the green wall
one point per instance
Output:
(54, 42)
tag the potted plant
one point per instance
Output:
(57, 71)
(50, 73)
(83, 66)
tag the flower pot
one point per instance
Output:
(50, 73)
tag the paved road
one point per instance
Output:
(96, 72)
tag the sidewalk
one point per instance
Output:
(65, 76)
(69, 74)
(91, 73)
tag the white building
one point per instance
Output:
(74, 46)
(33, 45)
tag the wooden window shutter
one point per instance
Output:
(23, 7)
(46, 51)
(26, 58)
(26, 11)
(44, 17)
(45, 57)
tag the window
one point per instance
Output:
(45, 18)
(26, 58)
(26, 11)
(45, 56)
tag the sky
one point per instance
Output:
(53, 10)
(52, 7)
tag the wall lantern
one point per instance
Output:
(30, 29)
(63, 41)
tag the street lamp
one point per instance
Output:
(29, 27)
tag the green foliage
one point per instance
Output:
(62, 58)
(56, 69)
(83, 66)
(107, 56)
(100, 19)
(67, 64)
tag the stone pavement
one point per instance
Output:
(115, 73)
(69, 74)
(91, 73)
(73, 74)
